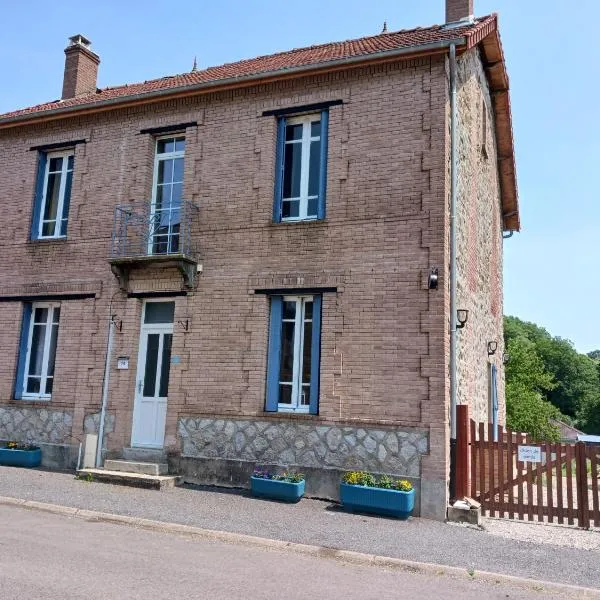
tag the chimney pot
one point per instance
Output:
(459, 10)
(81, 68)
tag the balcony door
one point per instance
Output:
(152, 382)
(167, 190)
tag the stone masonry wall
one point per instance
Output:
(35, 425)
(396, 451)
(479, 223)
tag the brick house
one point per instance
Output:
(270, 244)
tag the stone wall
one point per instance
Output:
(286, 444)
(479, 241)
(35, 425)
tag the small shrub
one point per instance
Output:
(289, 476)
(384, 481)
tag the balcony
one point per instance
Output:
(151, 236)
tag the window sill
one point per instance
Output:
(34, 399)
(49, 240)
(292, 222)
(289, 415)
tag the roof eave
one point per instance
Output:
(246, 80)
(488, 39)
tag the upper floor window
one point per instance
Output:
(39, 336)
(55, 179)
(301, 174)
(167, 195)
(294, 354)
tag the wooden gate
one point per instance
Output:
(556, 483)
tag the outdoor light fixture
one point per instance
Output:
(505, 358)
(433, 279)
(492, 347)
(118, 323)
(462, 316)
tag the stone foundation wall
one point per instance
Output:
(35, 425)
(322, 451)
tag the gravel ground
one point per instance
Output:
(320, 523)
(540, 533)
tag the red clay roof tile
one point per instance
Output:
(300, 57)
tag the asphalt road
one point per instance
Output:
(46, 556)
(313, 522)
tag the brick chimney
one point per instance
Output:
(459, 10)
(81, 68)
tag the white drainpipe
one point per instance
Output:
(109, 346)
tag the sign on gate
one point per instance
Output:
(531, 454)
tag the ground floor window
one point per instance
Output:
(39, 336)
(294, 353)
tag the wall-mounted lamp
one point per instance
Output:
(462, 316)
(433, 279)
(118, 323)
(185, 324)
(505, 358)
(492, 347)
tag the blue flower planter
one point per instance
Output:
(390, 503)
(20, 458)
(277, 490)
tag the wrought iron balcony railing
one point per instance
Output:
(153, 231)
(154, 235)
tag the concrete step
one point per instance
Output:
(130, 466)
(153, 455)
(155, 482)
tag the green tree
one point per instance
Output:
(576, 376)
(526, 383)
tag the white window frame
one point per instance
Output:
(297, 369)
(157, 159)
(64, 154)
(46, 352)
(306, 121)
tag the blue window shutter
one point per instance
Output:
(323, 164)
(315, 357)
(22, 351)
(279, 163)
(274, 359)
(39, 193)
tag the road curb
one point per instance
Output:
(346, 556)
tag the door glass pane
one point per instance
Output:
(159, 312)
(151, 364)
(287, 351)
(292, 170)
(163, 390)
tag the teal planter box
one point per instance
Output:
(379, 501)
(20, 458)
(277, 490)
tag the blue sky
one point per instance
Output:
(553, 59)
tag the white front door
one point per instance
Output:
(152, 381)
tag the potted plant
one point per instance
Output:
(15, 454)
(363, 492)
(288, 486)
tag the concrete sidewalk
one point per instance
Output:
(316, 523)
